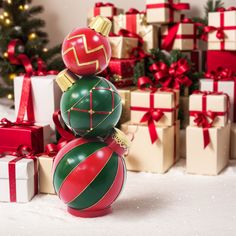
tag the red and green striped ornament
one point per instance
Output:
(88, 174)
(90, 106)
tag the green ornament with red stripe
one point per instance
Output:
(88, 174)
(90, 105)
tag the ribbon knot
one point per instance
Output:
(152, 116)
(173, 76)
(101, 4)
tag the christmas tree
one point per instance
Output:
(18, 21)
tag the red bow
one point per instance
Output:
(145, 82)
(134, 11)
(52, 149)
(219, 34)
(152, 116)
(222, 9)
(220, 74)
(4, 122)
(205, 118)
(173, 76)
(101, 4)
(26, 101)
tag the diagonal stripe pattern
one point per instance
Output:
(88, 175)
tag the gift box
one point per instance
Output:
(210, 106)
(184, 112)
(46, 98)
(222, 30)
(122, 67)
(122, 47)
(224, 59)
(182, 38)
(35, 137)
(164, 11)
(45, 174)
(212, 159)
(161, 105)
(136, 23)
(227, 86)
(233, 141)
(125, 98)
(18, 179)
(157, 157)
(104, 9)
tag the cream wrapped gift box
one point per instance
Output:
(161, 11)
(136, 23)
(213, 107)
(45, 174)
(18, 179)
(226, 86)
(121, 47)
(212, 159)
(184, 39)
(104, 9)
(46, 97)
(163, 103)
(157, 157)
(125, 98)
(222, 36)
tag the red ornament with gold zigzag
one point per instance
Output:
(86, 52)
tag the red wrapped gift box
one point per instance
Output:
(224, 59)
(122, 67)
(13, 136)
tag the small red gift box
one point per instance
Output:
(223, 59)
(122, 67)
(15, 135)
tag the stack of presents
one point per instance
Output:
(178, 94)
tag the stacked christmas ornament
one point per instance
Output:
(89, 172)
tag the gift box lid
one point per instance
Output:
(24, 168)
(163, 99)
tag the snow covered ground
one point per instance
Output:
(151, 204)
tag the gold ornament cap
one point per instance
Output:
(65, 79)
(101, 25)
(121, 138)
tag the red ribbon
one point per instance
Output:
(128, 34)
(171, 6)
(131, 19)
(22, 152)
(220, 31)
(98, 5)
(152, 114)
(206, 118)
(173, 76)
(222, 74)
(26, 101)
(168, 40)
(52, 149)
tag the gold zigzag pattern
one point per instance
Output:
(96, 62)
